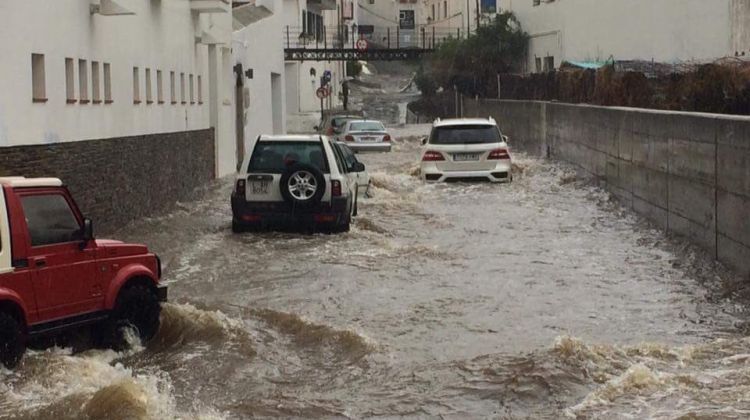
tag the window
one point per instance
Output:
(340, 161)
(38, 82)
(275, 157)
(96, 94)
(312, 24)
(348, 154)
(465, 134)
(70, 84)
(149, 93)
(172, 92)
(159, 87)
(406, 19)
(538, 64)
(535, 2)
(549, 63)
(445, 8)
(192, 91)
(136, 86)
(182, 88)
(107, 84)
(83, 81)
(200, 90)
(50, 219)
(433, 12)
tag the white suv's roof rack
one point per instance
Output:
(20, 181)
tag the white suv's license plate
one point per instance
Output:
(259, 187)
(465, 157)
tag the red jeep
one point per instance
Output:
(54, 276)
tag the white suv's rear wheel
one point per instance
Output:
(302, 185)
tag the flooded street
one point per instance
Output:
(537, 299)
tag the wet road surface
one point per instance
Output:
(537, 299)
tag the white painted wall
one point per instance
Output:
(260, 47)
(663, 30)
(741, 28)
(160, 36)
(457, 13)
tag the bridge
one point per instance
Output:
(367, 43)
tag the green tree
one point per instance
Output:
(472, 63)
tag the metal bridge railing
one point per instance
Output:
(426, 37)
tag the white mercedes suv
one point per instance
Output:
(466, 149)
(297, 181)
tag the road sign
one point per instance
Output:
(362, 45)
(322, 92)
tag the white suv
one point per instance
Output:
(294, 180)
(464, 149)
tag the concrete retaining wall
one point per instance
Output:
(119, 180)
(687, 172)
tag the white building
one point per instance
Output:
(149, 85)
(394, 23)
(79, 69)
(417, 22)
(451, 15)
(314, 23)
(664, 31)
(259, 99)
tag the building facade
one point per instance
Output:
(669, 31)
(314, 23)
(259, 98)
(131, 102)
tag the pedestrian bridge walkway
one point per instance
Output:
(368, 43)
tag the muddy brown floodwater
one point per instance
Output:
(539, 299)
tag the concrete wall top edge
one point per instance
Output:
(741, 118)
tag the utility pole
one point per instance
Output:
(468, 19)
(478, 11)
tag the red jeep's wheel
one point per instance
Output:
(12, 345)
(136, 307)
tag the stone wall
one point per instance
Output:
(687, 172)
(119, 180)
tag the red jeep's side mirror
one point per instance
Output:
(87, 232)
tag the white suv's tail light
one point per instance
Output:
(498, 154)
(432, 156)
(240, 187)
(336, 188)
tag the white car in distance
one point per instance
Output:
(366, 136)
(466, 149)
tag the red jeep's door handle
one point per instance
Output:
(41, 262)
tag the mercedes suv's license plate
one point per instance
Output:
(463, 157)
(260, 187)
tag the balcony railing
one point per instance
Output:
(386, 37)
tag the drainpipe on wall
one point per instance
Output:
(213, 101)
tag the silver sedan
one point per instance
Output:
(366, 136)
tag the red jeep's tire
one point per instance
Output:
(136, 307)
(12, 344)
